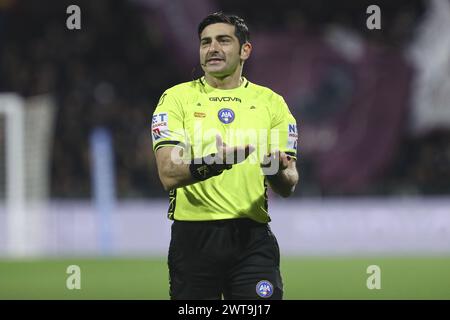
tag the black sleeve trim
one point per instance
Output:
(172, 204)
(169, 143)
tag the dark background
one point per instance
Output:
(354, 106)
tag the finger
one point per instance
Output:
(269, 158)
(285, 163)
(287, 156)
(219, 142)
(249, 149)
(265, 161)
(276, 155)
(240, 153)
(284, 160)
(283, 156)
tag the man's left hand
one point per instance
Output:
(279, 157)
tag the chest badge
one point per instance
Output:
(226, 115)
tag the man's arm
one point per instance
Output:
(172, 172)
(175, 173)
(285, 180)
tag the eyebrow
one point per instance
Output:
(217, 37)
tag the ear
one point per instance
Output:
(246, 50)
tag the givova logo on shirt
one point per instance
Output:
(292, 136)
(160, 127)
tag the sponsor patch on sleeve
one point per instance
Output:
(292, 136)
(160, 127)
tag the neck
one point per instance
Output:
(229, 82)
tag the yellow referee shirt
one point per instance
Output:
(189, 116)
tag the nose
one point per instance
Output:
(214, 46)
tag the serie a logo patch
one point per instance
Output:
(264, 289)
(226, 115)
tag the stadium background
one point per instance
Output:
(373, 108)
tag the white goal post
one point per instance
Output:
(27, 135)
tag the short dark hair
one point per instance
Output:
(241, 29)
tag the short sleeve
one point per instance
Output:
(167, 122)
(284, 134)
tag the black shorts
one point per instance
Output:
(233, 259)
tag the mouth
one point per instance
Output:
(214, 60)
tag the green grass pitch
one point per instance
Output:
(304, 278)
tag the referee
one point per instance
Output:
(219, 142)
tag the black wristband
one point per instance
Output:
(205, 168)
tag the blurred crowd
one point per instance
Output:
(112, 72)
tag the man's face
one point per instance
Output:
(220, 52)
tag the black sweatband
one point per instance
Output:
(205, 168)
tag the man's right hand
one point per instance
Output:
(231, 155)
